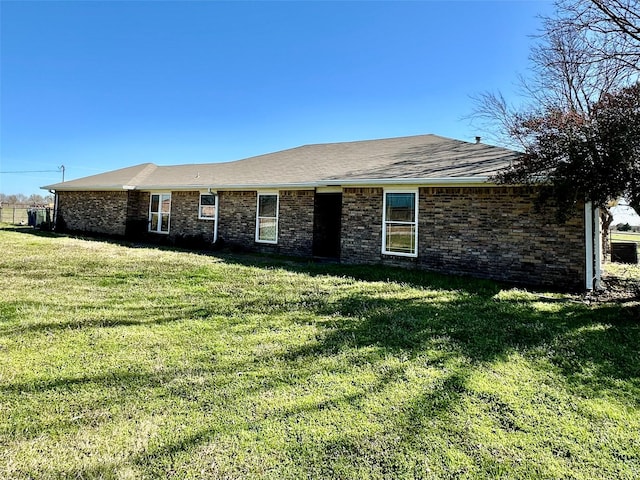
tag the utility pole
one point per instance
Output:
(61, 167)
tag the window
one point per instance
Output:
(267, 218)
(159, 212)
(400, 223)
(207, 208)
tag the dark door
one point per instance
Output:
(326, 225)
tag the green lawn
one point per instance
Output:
(132, 362)
(625, 237)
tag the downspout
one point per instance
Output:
(215, 220)
(597, 248)
(593, 247)
(55, 209)
(588, 240)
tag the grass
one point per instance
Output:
(625, 237)
(625, 270)
(124, 361)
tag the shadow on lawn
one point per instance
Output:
(474, 329)
(88, 319)
(37, 232)
(478, 329)
(367, 273)
(594, 348)
(595, 351)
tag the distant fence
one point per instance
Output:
(26, 215)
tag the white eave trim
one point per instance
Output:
(410, 181)
(101, 188)
(326, 183)
(340, 182)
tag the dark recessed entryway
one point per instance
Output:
(326, 225)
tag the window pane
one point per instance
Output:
(267, 205)
(400, 207)
(154, 222)
(400, 238)
(155, 201)
(207, 199)
(165, 223)
(207, 206)
(166, 203)
(207, 211)
(267, 229)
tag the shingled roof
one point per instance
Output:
(416, 159)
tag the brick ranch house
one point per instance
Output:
(422, 201)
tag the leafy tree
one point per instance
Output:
(574, 156)
(579, 122)
(623, 227)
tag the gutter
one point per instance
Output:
(263, 186)
(105, 188)
(338, 182)
(362, 182)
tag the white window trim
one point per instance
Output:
(415, 222)
(160, 194)
(277, 217)
(215, 215)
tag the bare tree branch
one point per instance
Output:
(579, 123)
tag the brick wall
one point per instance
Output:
(237, 218)
(491, 232)
(295, 222)
(237, 222)
(93, 212)
(185, 224)
(137, 214)
(361, 231)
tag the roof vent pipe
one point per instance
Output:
(478, 139)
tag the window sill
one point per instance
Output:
(400, 254)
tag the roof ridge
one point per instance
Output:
(345, 142)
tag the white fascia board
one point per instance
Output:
(105, 188)
(419, 182)
(328, 183)
(411, 181)
(461, 181)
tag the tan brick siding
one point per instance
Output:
(492, 232)
(361, 237)
(93, 212)
(237, 221)
(137, 214)
(184, 218)
(498, 233)
(295, 222)
(237, 218)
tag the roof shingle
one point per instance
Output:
(421, 158)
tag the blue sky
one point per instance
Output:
(96, 86)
